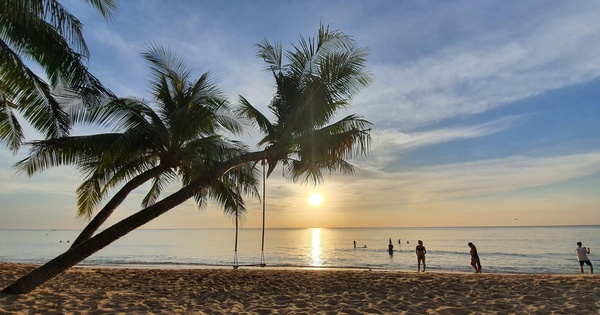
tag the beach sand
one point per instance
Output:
(284, 291)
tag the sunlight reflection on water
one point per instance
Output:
(316, 247)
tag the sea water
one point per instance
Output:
(501, 249)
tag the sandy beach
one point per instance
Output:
(279, 291)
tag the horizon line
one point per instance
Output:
(349, 227)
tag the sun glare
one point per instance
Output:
(315, 199)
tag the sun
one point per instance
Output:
(315, 199)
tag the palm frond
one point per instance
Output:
(29, 95)
(165, 63)
(74, 150)
(227, 197)
(230, 189)
(158, 185)
(88, 197)
(271, 54)
(107, 8)
(11, 131)
(38, 15)
(130, 169)
(247, 111)
(61, 62)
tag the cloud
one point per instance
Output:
(381, 192)
(473, 179)
(472, 76)
(389, 144)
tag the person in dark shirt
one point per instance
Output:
(420, 251)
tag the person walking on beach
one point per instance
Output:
(475, 258)
(582, 253)
(420, 251)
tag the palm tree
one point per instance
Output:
(321, 78)
(45, 32)
(175, 136)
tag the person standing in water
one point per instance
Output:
(475, 258)
(582, 253)
(420, 251)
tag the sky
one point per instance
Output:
(484, 113)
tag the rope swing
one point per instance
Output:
(262, 246)
(235, 255)
(236, 264)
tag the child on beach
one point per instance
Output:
(582, 253)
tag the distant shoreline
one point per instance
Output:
(341, 228)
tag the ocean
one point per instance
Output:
(501, 249)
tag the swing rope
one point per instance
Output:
(237, 213)
(235, 255)
(262, 248)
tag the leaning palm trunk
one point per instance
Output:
(75, 255)
(115, 201)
